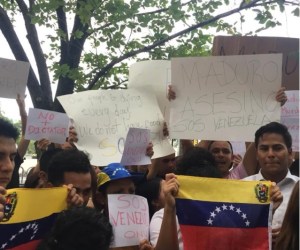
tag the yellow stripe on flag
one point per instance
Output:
(220, 190)
(32, 204)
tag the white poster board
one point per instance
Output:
(156, 73)
(136, 143)
(290, 116)
(45, 124)
(238, 147)
(224, 97)
(13, 78)
(102, 119)
(129, 217)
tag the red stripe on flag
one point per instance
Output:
(217, 238)
(32, 245)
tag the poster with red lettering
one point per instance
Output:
(129, 217)
(46, 124)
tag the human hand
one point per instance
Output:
(165, 129)
(2, 202)
(170, 189)
(281, 96)
(145, 245)
(21, 105)
(73, 137)
(43, 144)
(149, 150)
(73, 199)
(275, 196)
(237, 158)
(171, 93)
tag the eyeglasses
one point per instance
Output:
(168, 160)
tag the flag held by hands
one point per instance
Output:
(223, 214)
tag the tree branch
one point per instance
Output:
(62, 25)
(109, 66)
(33, 39)
(162, 10)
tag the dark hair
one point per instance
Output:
(69, 160)
(211, 142)
(150, 189)
(198, 162)
(79, 228)
(288, 237)
(46, 157)
(7, 129)
(277, 128)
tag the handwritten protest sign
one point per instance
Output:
(136, 143)
(224, 97)
(129, 217)
(47, 124)
(248, 45)
(156, 73)
(103, 117)
(13, 78)
(290, 116)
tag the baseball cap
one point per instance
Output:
(113, 172)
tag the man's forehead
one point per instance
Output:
(7, 144)
(271, 139)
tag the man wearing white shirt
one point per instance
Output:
(273, 144)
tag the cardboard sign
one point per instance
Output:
(247, 45)
(129, 217)
(224, 97)
(156, 73)
(290, 116)
(136, 143)
(13, 78)
(45, 124)
(103, 117)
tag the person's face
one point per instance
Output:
(8, 152)
(167, 164)
(273, 156)
(223, 155)
(122, 186)
(82, 182)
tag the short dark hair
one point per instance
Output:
(276, 128)
(69, 160)
(7, 129)
(198, 162)
(46, 157)
(211, 142)
(79, 228)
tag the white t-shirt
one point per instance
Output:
(286, 187)
(155, 225)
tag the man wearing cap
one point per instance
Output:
(115, 179)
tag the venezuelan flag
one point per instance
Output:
(28, 216)
(223, 214)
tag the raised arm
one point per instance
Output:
(23, 144)
(168, 237)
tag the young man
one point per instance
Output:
(8, 151)
(273, 144)
(72, 166)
